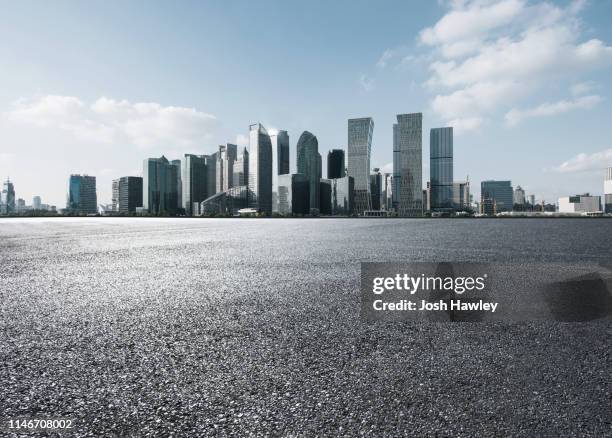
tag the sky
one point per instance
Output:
(96, 87)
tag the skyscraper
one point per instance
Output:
(226, 156)
(280, 162)
(8, 198)
(608, 191)
(260, 169)
(115, 195)
(441, 168)
(241, 169)
(82, 197)
(194, 182)
(519, 197)
(160, 186)
(335, 164)
(130, 194)
(293, 194)
(359, 149)
(179, 184)
(36, 203)
(376, 189)
(211, 174)
(461, 195)
(408, 165)
(308, 164)
(500, 192)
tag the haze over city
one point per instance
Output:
(97, 87)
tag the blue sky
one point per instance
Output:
(96, 87)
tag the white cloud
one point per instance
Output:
(367, 84)
(384, 58)
(586, 162)
(582, 88)
(461, 126)
(489, 54)
(110, 121)
(515, 116)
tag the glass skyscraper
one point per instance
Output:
(260, 169)
(82, 196)
(194, 180)
(241, 169)
(608, 191)
(7, 200)
(499, 193)
(293, 194)
(335, 164)
(408, 165)
(160, 186)
(359, 149)
(280, 162)
(130, 194)
(308, 164)
(441, 168)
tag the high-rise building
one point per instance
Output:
(441, 168)
(130, 194)
(500, 191)
(461, 195)
(343, 196)
(241, 169)
(36, 203)
(308, 164)
(179, 184)
(21, 205)
(408, 164)
(519, 197)
(194, 181)
(388, 192)
(580, 204)
(211, 174)
(608, 191)
(82, 197)
(376, 189)
(325, 197)
(293, 194)
(115, 195)
(7, 199)
(280, 162)
(260, 169)
(160, 186)
(360, 133)
(226, 157)
(532, 200)
(335, 164)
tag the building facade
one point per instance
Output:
(580, 204)
(500, 191)
(160, 186)
(280, 162)
(82, 197)
(376, 189)
(408, 165)
(343, 196)
(293, 194)
(260, 169)
(241, 169)
(195, 175)
(308, 164)
(360, 133)
(441, 168)
(130, 194)
(461, 196)
(519, 197)
(7, 198)
(336, 168)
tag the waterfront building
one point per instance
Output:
(388, 192)
(441, 169)
(343, 196)
(130, 194)
(241, 169)
(408, 165)
(160, 186)
(224, 173)
(211, 174)
(360, 133)
(7, 198)
(82, 197)
(260, 169)
(500, 191)
(195, 174)
(36, 203)
(519, 197)
(308, 164)
(488, 206)
(461, 195)
(280, 162)
(608, 191)
(228, 202)
(376, 187)
(293, 194)
(325, 197)
(335, 164)
(115, 196)
(580, 204)
(532, 200)
(179, 184)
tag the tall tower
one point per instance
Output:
(280, 162)
(441, 168)
(82, 196)
(359, 149)
(608, 191)
(408, 165)
(194, 182)
(308, 164)
(260, 169)
(335, 164)
(7, 201)
(160, 186)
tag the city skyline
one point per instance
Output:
(75, 105)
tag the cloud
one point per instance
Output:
(387, 168)
(384, 58)
(488, 55)
(109, 121)
(515, 116)
(582, 88)
(586, 162)
(461, 126)
(367, 84)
